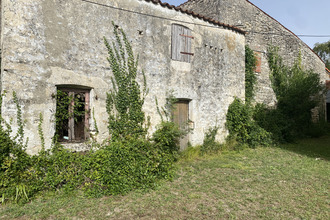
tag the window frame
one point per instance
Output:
(258, 56)
(71, 138)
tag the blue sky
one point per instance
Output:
(302, 17)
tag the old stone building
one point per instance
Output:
(263, 31)
(49, 45)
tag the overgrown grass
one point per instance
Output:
(287, 182)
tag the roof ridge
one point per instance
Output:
(185, 3)
(274, 20)
(196, 15)
(285, 29)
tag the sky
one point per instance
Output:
(302, 17)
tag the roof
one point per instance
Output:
(199, 16)
(274, 20)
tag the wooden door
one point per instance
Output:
(181, 117)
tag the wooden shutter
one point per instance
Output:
(181, 43)
(176, 43)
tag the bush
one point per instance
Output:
(167, 136)
(297, 91)
(6, 144)
(319, 129)
(117, 168)
(209, 144)
(241, 125)
(123, 166)
(275, 122)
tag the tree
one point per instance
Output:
(323, 50)
(297, 91)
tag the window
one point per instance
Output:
(258, 62)
(72, 114)
(181, 43)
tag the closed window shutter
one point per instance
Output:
(186, 46)
(176, 42)
(181, 43)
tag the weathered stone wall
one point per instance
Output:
(52, 42)
(262, 32)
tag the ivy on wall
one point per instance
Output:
(250, 76)
(125, 99)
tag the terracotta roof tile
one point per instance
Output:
(199, 16)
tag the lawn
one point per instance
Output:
(287, 182)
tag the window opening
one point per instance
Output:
(181, 43)
(258, 62)
(72, 115)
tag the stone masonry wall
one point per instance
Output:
(263, 31)
(46, 43)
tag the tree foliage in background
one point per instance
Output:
(124, 101)
(323, 50)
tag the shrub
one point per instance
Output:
(241, 125)
(209, 144)
(297, 91)
(275, 122)
(6, 144)
(167, 136)
(319, 129)
(14, 160)
(123, 166)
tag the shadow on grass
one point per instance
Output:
(318, 148)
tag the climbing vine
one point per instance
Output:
(20, 132)
(125, 99)
(250, 76)
(297, 91)
(41, 132)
